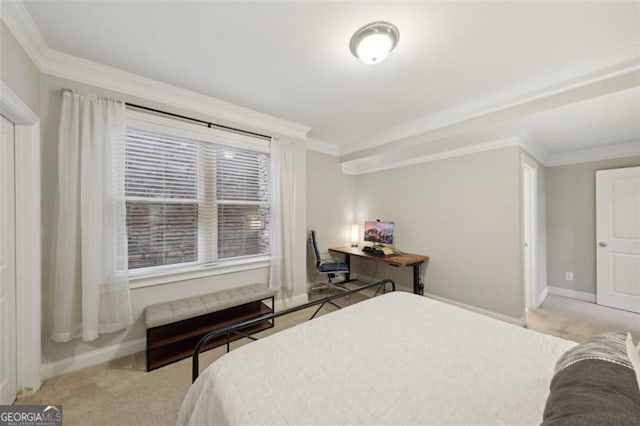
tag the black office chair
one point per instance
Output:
(330, 269)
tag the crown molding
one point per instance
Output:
(352, 168)
(524, 140)
(533, 147)
(17, 18)
(323, 147)
(70, 67)
(88, 72)
(20, 23)
(620, 150)
(606, 68)
(14, 108)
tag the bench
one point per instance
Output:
(174, 328)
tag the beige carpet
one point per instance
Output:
(122, 393)
(577, 320)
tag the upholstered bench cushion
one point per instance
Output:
(178, 310)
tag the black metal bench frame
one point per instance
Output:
(235, 328)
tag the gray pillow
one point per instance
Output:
(594, 384)
(610, 347)
(593, 392)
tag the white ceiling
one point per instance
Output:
(583, 125)
(292, 59)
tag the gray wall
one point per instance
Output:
(465, 214)
(330, 210)
(140, 297)
(571, 220)
(18, 71)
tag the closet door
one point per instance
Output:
(618, 238)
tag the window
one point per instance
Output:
(194, 200)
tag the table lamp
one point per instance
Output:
(354, 235)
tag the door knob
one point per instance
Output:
(602, 244)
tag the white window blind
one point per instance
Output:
(194, 202)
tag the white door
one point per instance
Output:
(618, 238)
(7, 266)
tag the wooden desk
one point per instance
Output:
(397, 260)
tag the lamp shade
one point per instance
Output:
(373, 42)
(355, 236)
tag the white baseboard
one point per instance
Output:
(573, 294)
(542, 296)
(505, 318)
(88, 359)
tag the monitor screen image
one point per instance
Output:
(378, 232)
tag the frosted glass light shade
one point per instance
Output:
(355, 235)
(373, 42)
(374, 48)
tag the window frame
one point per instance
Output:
(155, 275)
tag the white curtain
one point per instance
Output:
(282, 214)
(91, 292)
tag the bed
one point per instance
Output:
(397, 358)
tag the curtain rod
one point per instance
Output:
(195, 120)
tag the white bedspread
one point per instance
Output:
(394, 359)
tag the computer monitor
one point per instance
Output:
(378, 231)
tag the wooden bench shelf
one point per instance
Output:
(175, 341)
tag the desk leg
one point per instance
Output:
(418, 287)
(347, 276)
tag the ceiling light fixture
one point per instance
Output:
(373, 42)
